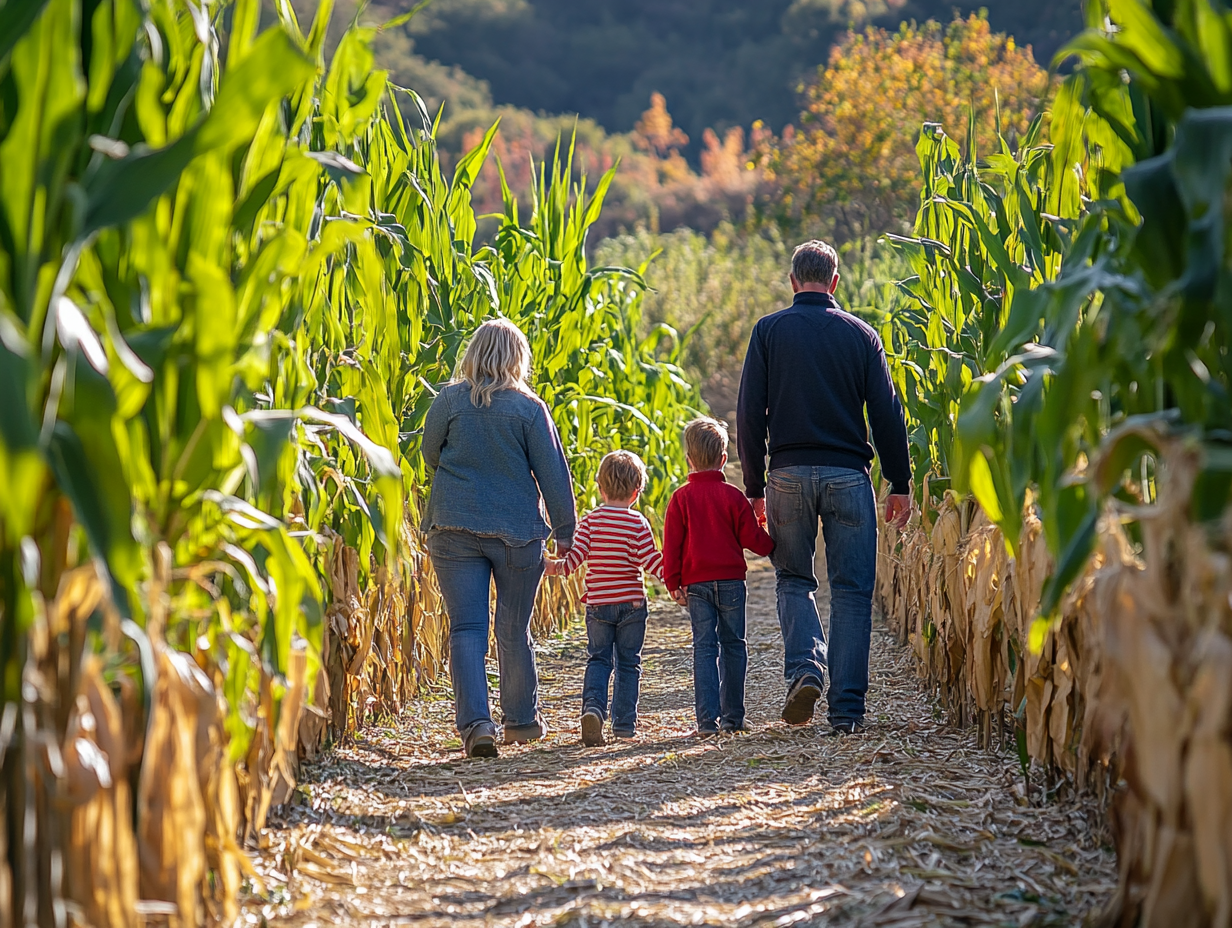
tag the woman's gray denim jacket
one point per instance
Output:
(496, 468)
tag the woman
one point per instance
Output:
(498, 461)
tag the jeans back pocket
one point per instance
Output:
(447, 544)
(731, 594)
(784, 498)
(851, 501)
(524, 557)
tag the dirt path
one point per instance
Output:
(908, 824)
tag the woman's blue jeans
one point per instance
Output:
(796, 497)
(615, 633)
(720, 653)
(466, 564)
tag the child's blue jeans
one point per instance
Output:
(720, 654)
(615, 633)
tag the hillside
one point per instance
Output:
(719, 63)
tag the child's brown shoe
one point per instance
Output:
(803, 695)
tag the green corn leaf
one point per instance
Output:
(268, 436)
(76, 477)
(17, 428)
(1200, 163)
(274, 68)
(1144, 35)
(980, 476)
(1160, 242)
(1122, 449)
(1078, 543)
(1214, 36)
(380, 459)
(16, 18)
(124, 189)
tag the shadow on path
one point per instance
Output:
(906, 824)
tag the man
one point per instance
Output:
(811, 372)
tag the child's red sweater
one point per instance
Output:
(708, 525)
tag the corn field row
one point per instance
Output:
(1063, 351)
(230, 279)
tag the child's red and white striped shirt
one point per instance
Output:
(617, 545)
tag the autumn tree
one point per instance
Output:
(851, 169)
(656, 134)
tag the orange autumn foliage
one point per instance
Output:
(851, 169)
(654, 185)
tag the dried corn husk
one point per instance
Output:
(1133, 683)
(101, 872)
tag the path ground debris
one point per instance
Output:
(908, 824)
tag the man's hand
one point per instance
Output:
(681, 597)
(555, 567)
(759, 510)
(898, 509)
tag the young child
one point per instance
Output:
(708, 525)
(617, 545)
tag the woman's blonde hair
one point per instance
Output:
(498, 358)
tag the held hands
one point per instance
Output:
(898, 510)
(759, 510)
(555, 566)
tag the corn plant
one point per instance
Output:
(1069, 287)
(595, 368)
(231, 277)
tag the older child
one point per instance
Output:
(616, 543)
(708, 525)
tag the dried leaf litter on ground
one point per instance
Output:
(907, 824)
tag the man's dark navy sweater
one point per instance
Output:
(810, 372)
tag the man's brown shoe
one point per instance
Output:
(592, 729)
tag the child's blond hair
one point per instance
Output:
(705, 441)
(497, 358)
(622, 475)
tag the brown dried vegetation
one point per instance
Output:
(104, 761)
(1129, 695)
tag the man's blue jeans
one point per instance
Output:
(466, 564)
(796, 497)
(720, 654)
(615, 633)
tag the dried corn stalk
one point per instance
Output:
(1131, 687)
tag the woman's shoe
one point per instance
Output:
(480, 740)
(520, 734)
